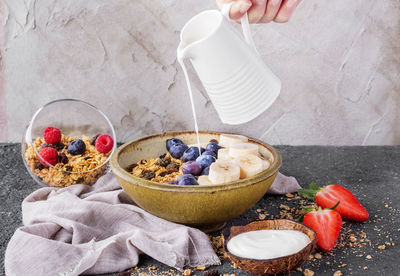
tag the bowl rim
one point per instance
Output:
(27, 138)
(229, 236)
(122, 173)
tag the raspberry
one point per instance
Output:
(52, 135)
(104, 143)
(48, 156)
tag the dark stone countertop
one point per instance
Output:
(372, 173)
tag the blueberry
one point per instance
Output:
(205, 160)
(214, 147)
(187, 179)
(191, 167)
(205, 171)
(76, 147)
(172, 182)
(173, 141)
(177, 150)
(191, 154)
(207, 152)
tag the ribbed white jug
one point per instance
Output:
(237, 81)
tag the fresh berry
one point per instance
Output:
(214, 147)
(349, 208)
(207, 152)
(173, 141)
(187, 179)
(62, 158)
(52, 135)
(177, 150)
(191, 154)
(76, 147)
(191, 167)
(205, 160)
(48, 156)
(206, 171)
(326, 223)
(104, 143)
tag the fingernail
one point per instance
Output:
(291, 3)
(244, 7)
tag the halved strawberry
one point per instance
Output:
(349, 208)
(327, 224)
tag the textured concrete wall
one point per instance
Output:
(339, 62)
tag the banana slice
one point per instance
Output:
(223, 171)
(249, 165)
(227, 140)
(204, 180)
(242, 149)
(223, 154)
(265, 164)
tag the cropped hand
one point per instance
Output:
(261, 11)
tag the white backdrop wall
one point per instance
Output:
(339, 62)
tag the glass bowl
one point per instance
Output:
(75, 119)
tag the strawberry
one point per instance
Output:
(349, 208)
(52, 135)
(326, 223)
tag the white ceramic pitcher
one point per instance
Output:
(237, 81)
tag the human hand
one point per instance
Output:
(261, 11)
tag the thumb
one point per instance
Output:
(238, 8)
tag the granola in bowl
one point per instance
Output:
(163, 169)
(71, 167)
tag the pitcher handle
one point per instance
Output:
(245, 25)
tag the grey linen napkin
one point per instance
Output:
(85, 229)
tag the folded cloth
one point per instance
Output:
(94, 229)
(283, 184)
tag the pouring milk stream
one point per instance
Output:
(238, 83)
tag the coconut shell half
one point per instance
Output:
(276, 265)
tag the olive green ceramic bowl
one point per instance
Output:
(206, 207)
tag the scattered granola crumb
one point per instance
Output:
(311, 256)
(203, 267)
(308, 272)
(382, 247)
(152, 268)
(299, 269)
(284, 207)
(187, 272)
(262, 216)
(289, 195)
(229, 274)
(369, 257)
(338, 273)
(365, 267)
(352, 238)
(318, 256)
